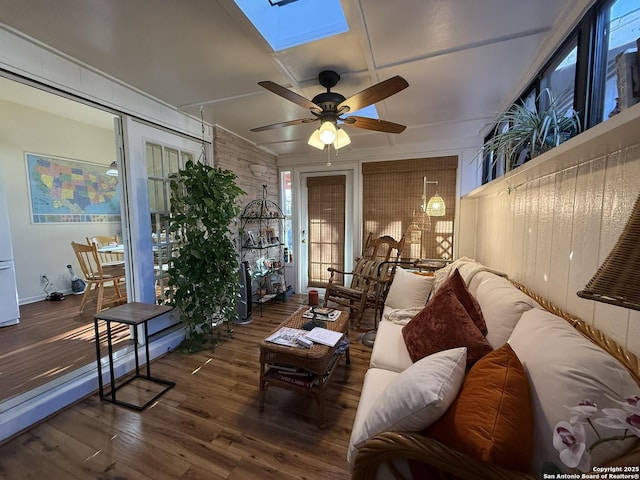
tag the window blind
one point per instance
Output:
(326, 210)
(392, 191)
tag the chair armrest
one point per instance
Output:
(335, 270)
(387, 446)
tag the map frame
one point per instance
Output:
(66, 205)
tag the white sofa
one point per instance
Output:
(558, 366)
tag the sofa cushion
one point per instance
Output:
(502, 305)
(564, 368)
(412, 400)
(491, 419)
(375, 382)
(408, 290)
(389, 350)
(442, 324)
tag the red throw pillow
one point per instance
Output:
(492, 417)
(442, 324)
(456, 283)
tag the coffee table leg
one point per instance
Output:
(262, 388)
(321, 420)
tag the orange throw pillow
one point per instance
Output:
(492, 417)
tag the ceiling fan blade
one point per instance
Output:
(374, 124)
(289, 95)
(374, 94)
(300, 121)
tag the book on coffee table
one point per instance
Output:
(324, 336)
(287, 336)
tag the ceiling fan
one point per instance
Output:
(329, 107)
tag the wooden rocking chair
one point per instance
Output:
(370, 277)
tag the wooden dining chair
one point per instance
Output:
(98, 277)
(107, 257)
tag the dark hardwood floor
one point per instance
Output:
(51, 340)
(207, 427)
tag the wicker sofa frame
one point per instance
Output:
(388, 446)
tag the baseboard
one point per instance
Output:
(25, 410)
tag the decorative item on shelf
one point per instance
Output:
(617, 281)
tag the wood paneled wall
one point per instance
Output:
(551, 225)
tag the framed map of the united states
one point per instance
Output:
(62, 190)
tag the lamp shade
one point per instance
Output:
(436, 206)
(617, 281)
(112, 171)
(314, 140)
(327, 133)
(342, 139)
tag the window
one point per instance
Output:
(326, 211)
(392, 192)
(621, 20)
(560, 79)
(285, 24)
(162, 161)
(286, 202)
(582, 73)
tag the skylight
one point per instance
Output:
(369, 111)
(288, 23)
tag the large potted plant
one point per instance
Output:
(204, 273)
(523, 132)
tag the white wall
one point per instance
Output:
(551, 223)
(45, 248)
(37, 62)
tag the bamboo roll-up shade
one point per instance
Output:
(392, 191)
(326, 211)
(617, 281)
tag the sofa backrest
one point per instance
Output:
(502, 305)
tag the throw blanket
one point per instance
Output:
(402, 316)
(467, 267)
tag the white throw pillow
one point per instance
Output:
(417, 397)
(408, 290)
(564, 368)
(502, 305)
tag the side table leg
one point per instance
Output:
(112, 374)
(100, 385)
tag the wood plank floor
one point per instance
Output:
(207, 427)
(51, 340)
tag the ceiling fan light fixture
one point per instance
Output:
(314, 140)
(342, 139)
(327, 133)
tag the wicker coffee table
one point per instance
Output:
(303, 370)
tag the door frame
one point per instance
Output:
(353, 220)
